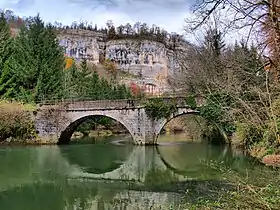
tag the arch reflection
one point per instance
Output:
(194, 159)
(96, 158)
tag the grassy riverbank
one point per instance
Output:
(235, 190)
(245, 192)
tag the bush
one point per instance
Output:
(157, 109)
(16, 121)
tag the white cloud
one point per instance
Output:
(168, 14)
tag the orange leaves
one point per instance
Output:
(267, 66)
(68, 62)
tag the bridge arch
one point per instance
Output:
(180, 112)
(76, 118)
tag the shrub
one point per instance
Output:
(16, 121)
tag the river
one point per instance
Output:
(112, 174)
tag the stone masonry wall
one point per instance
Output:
(55, 121)
(135, 120)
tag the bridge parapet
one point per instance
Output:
(109, 104)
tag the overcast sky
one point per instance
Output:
(169, 14)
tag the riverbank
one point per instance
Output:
(248, 190)
(17, 122)
(195, 127)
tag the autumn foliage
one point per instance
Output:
(110, 66)
(135, 89)
(68, 62)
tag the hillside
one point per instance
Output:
(137, 55)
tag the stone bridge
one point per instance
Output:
(57, 121)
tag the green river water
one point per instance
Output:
(112, 174)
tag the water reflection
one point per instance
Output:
(108, 176)
(96, 159)
(193, 159)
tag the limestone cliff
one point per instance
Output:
(81, 44)
(150, 60)
(147, 59)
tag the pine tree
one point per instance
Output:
(5, 41)
(214, 42)
(83, 80)
(35, 70)
(51, 60)
(86, 84)
(112, 33)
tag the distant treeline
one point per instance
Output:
(137, 31)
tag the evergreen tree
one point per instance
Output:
(83, 76)
(35, 68)
(5, 41)
(214, 42)
(94, 85)
(246, 62)
(50, 80)
(112, 33)
(70, 85)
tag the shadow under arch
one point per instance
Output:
(96, 158)
(219, 136)
(182, 112)
(66, 134)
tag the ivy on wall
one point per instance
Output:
(191, 102)
(156, 108)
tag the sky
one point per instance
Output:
(168, 14)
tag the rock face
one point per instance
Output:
(147, 59)
(150, 60)
(80, 44)
(137, 53)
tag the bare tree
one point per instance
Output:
(258, 17)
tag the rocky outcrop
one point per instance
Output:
(150, 60)
(147, 59)
(81, 44)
